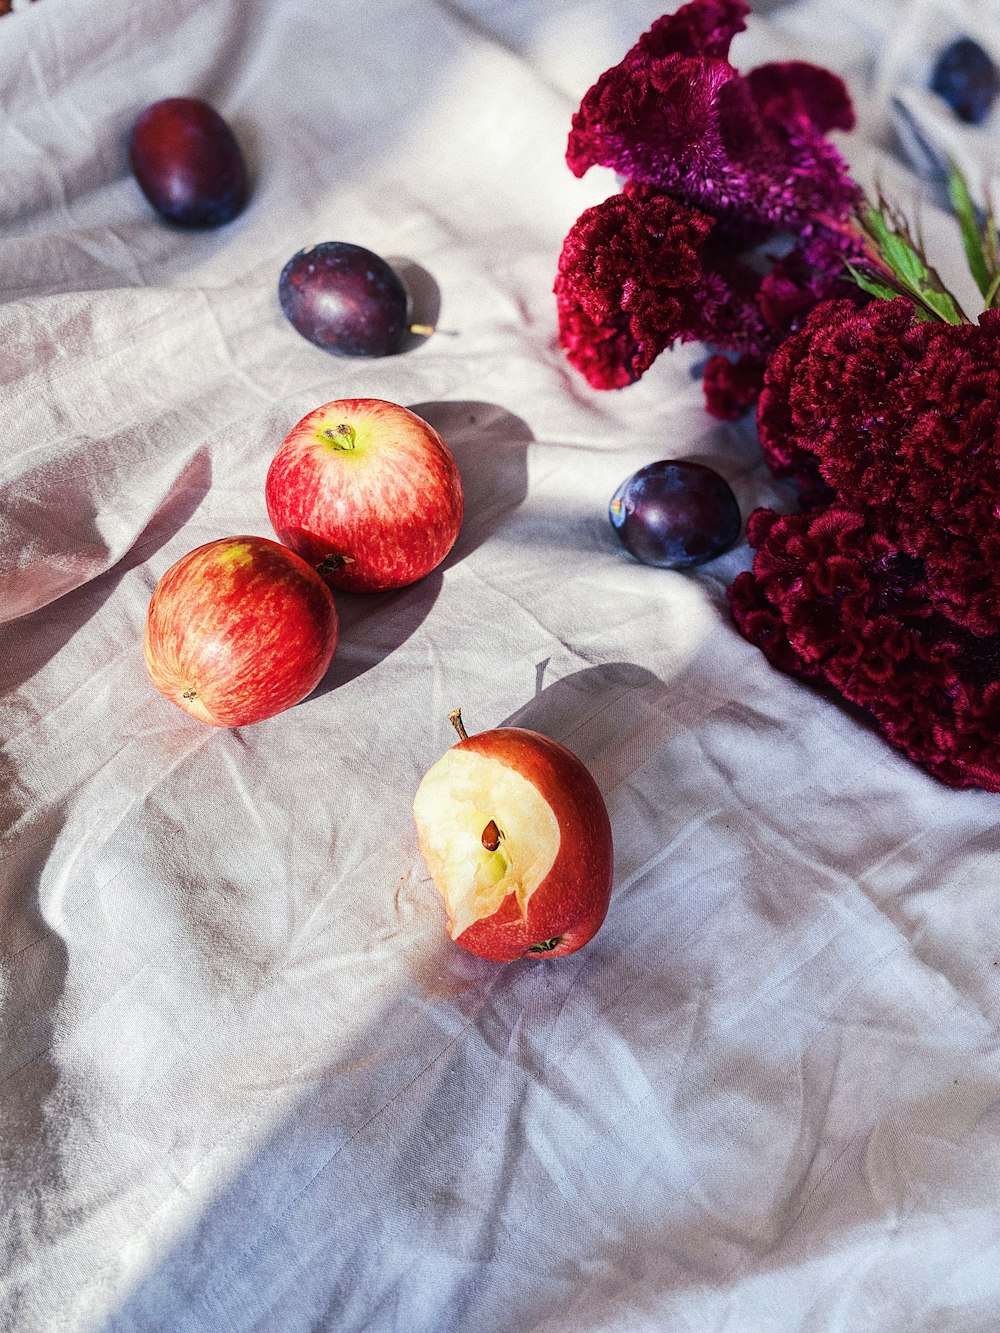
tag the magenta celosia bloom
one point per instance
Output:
(676, 115)
(900, 421)
(748, 154)
(615, 324)
(732, 386)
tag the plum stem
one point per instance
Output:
(422, 330)
(455, 718)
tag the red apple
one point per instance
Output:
(238, 630)
(517, 839)
(367, 492)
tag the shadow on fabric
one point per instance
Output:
(380, 1195)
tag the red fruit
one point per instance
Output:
(188, 163)
(517, 839)
(367, 492)
(238, 630)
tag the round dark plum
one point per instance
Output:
(675, 514)
(965, 76)
(345, 299)
(188, 163)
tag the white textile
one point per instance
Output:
(246, 1081)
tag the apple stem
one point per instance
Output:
(331, 563)
(422, 330)
(343, 437)
(545, 946)
(455, 718)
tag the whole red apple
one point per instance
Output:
(238, 630)
(367, 492)
(517, 839)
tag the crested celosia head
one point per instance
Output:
(640, 272)
(677, 116)
(899, 419)
(736, 226)
(749, 154)
(888, 589)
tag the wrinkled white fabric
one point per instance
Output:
(246, 1081)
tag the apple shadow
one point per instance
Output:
(353, 1167)
(33, 640)
(569, 704)
(373, 625)
(490, 446)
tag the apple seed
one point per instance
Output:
(491, 836)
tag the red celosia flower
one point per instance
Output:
(900, 419)
(888, 592)
(731, 387)
(627, 277)
(732, 229)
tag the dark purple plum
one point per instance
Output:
(345, 299)
(675, 514)
(188, 163)
(965, 76)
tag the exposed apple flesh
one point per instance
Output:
(516, 836)
(462, 795)
(367, 492)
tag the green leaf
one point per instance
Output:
(990, 296)
(905, 262)
(900, 266)
(871, 286)
(990, 236)
(907, 265)
(973, 240)
(943, 305)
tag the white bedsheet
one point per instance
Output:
(246, 1081)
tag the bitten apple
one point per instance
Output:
(367, 492)
(238, 630)
(517, 839)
